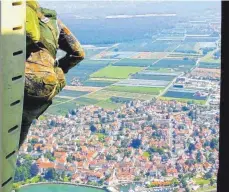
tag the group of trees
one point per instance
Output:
(136, 143)
(51, 175)
(156, 150)
(49, 156)
(110, 157)
(93, 128)
(25, 170)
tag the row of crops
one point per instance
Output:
(150, 75)
(177, 65)
(209, 65)
(142, 83)
(184, 94)
(83, 70)
(135, 62)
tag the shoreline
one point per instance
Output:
(105, 188)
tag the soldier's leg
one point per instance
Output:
(29, 114)
(26, 123)
(42, 83)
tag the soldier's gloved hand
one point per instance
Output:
(68, 62)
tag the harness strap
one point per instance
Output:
(44, 20)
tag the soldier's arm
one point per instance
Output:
(72, 47)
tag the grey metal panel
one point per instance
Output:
(12, 59)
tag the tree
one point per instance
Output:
(63, 175)
(206, 143)
(69, 159)
(34, 170)
(191, 147)
(214, 143)
(137, 178)
(93, 128)
(124, 143)
(49, 156)
(33, 141)
(190, 162)
(73, 112)
(22, 174)
(198, 157)
(53, 123)
(127, 153)
(29, 149)
(191, 114)
(154, 126)
(18, 163)
(175, 182)
(184, 182)
(110, 157)
(163, 173)
(136, 143)
(149, 118)
(39, 149)
(184, 108)
(160, 151)
(187, 189)
(208, 175)
(50, 174)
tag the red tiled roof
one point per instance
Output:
(46, 165)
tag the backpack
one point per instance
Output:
(41, 27)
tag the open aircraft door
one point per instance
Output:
(12, 64)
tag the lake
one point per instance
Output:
(58, 188)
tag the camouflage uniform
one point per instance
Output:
(43, 79)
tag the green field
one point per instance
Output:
(61, 109)
(162, 70)
(61, 106)
(58, 100)
(207, 189)
(146, 90)
(106, 94)
(183, 100)
(177, 55)
(135, 62)
(116, 72)
(103, 79)
(209, 58)
(86, 101)
(108, 104)
(201, 181)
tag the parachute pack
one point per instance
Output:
(41, 27)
